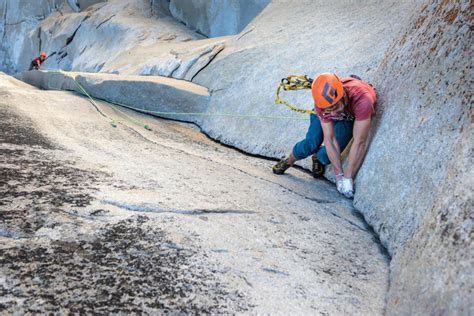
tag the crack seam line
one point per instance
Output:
(5, 8)
(208, 63)
(319, 201)
(350, 222)
(198, 211)
(245, 34)
(105, 21)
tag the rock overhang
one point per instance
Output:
(165, 97)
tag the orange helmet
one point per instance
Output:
(43, 54)
(327, 90)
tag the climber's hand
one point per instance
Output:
(345, 186)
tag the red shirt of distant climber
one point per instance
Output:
(36, 62)
(361, 102)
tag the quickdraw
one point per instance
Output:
(294, 82)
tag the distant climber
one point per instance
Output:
(344, 108)
(36, 63)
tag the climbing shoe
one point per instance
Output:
(281, 166)
(318, 167)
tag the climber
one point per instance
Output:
(36, 63)
(344, 108)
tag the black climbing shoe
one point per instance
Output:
(318, 167)
(281, 166)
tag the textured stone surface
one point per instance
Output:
(216, 17)
(117, 26)
(425, 98)
(47, 80)
(143, 93)
(140, 37)
(18, 30)
(285, 40)
(149, 93)
(180, 61)
(416, 185)
(433, 273)
(126, 220)
(81, 5)
(411, 188)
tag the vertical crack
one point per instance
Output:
(70, 38)
(5, 8)
(39, 38)
(4, 35)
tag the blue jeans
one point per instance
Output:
(314, 138)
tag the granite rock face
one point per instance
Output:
(81, 5)
(416, 184)
(140, 37)
(102, 219)
(117, 27)
(424, 107)
(279, 42)
(433, 272)
(19, 21)
(142, 93)
(216, 17)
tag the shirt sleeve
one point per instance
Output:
(364, 107)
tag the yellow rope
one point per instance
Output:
(293, 82)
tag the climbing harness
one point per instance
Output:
(294, 82)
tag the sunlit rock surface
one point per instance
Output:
(416, 184)
(414, 187)
(116, 218)
(19, 30)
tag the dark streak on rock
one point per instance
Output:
(275, 271)
(105, 21)
(157, 209)
(70, 38)
(208, 63)
(245, 34)
(351, 222)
